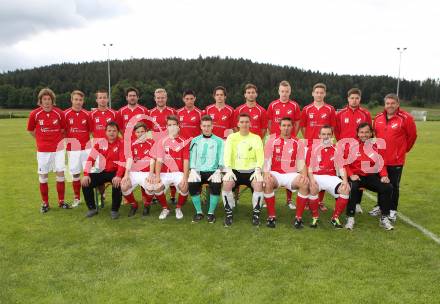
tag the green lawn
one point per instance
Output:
(62, 257)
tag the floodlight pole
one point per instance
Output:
(108, 45)
(401, 50)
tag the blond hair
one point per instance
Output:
(46, 92)
(77, 92)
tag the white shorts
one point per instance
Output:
(285, 179)
(77, 160)
(138, 179)
(171, 178)
(51, 162)
(328, 183)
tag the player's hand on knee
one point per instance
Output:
(354, 177)
(385, 179)
(125, 183)
(116, 181)
(344, 188)
(85, 181)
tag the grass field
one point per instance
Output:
(63, 257)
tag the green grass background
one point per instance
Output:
(63, 257)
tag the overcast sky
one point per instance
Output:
(339, 36)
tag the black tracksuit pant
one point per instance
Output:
(371, 182)
(98, 179)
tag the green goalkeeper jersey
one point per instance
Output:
(206, 153)
(244, 153)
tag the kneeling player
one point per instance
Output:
(46, 124)
(110, 151)
(322, 175)
(282, 160)
(243, 160)
(172, 167)
(139, 167)
(206, 161)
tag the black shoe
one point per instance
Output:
(255, 219)
(211, 218)
(271, 222)
(64, 205)
(44, 208)
(314, 223)
(132, 211)
(197, 217)
(114, 215)
(228, 221)
(336, 223)
(173, 201)
(91, 212)
(146, 210)
(298, 223)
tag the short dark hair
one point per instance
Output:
(140, 125)
(326, 127)
(112, 124)
(102, 91)
(285, 118)
(363, 125)
(206, 118)
(189, 92)
(354, 91)
(320, 85)
(173, 118)
(244, 115)
(250, 86)
(219, 88)
(391, 96)
(131, 89)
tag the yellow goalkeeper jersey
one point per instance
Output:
(243, 152)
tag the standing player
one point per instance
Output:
(172, 167)
(99, 118)
(349, 118)
(46, 124)
(206, 162)
(313, 117)
(222, 114)
(110, 150)
(128, 116)
(160, 113)
(243, 160)
(399, 131)
(284, 158)
(189, 116)
(139, 168)
(368, 171)
(78, 136)
(322, 163)
(257, 114)
(278, 109)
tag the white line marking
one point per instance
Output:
(408, 221)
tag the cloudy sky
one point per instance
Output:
(339, 36)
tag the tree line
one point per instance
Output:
(19, 88)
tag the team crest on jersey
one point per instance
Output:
(289, 112)
(394, 125)
(255, 117)
(41, 122)
(71, 121)
(347, 120)
(109, 119)
(358, 121)
(84, 121)
(55, 121)
(193, 118)
(115, 149)
(324, 115)
(224, 117)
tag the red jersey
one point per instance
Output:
(324, 158)
(258, 118)
(141, 154)
(111, 153)
(347, 121)
(278, 110)
(222, 119)
(99, 119)
(159, 118)
(189, 122)
(312, 119)
(77, 127)
(363, 161)
(399, 133)
(282, 154)
(125, 114)
(172, 152)
(49, 129)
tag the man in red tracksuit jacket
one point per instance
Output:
(399, 131)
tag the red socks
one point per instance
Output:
(44, 191)
(321, 196)
(341, 203)
(301, 201)
(181, 200)
(270, 204)
(131, 200)
(61, 188)
(76, 184)
(162, 200)
(314, 205)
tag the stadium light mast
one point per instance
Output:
(401, 50)
(108, 45)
